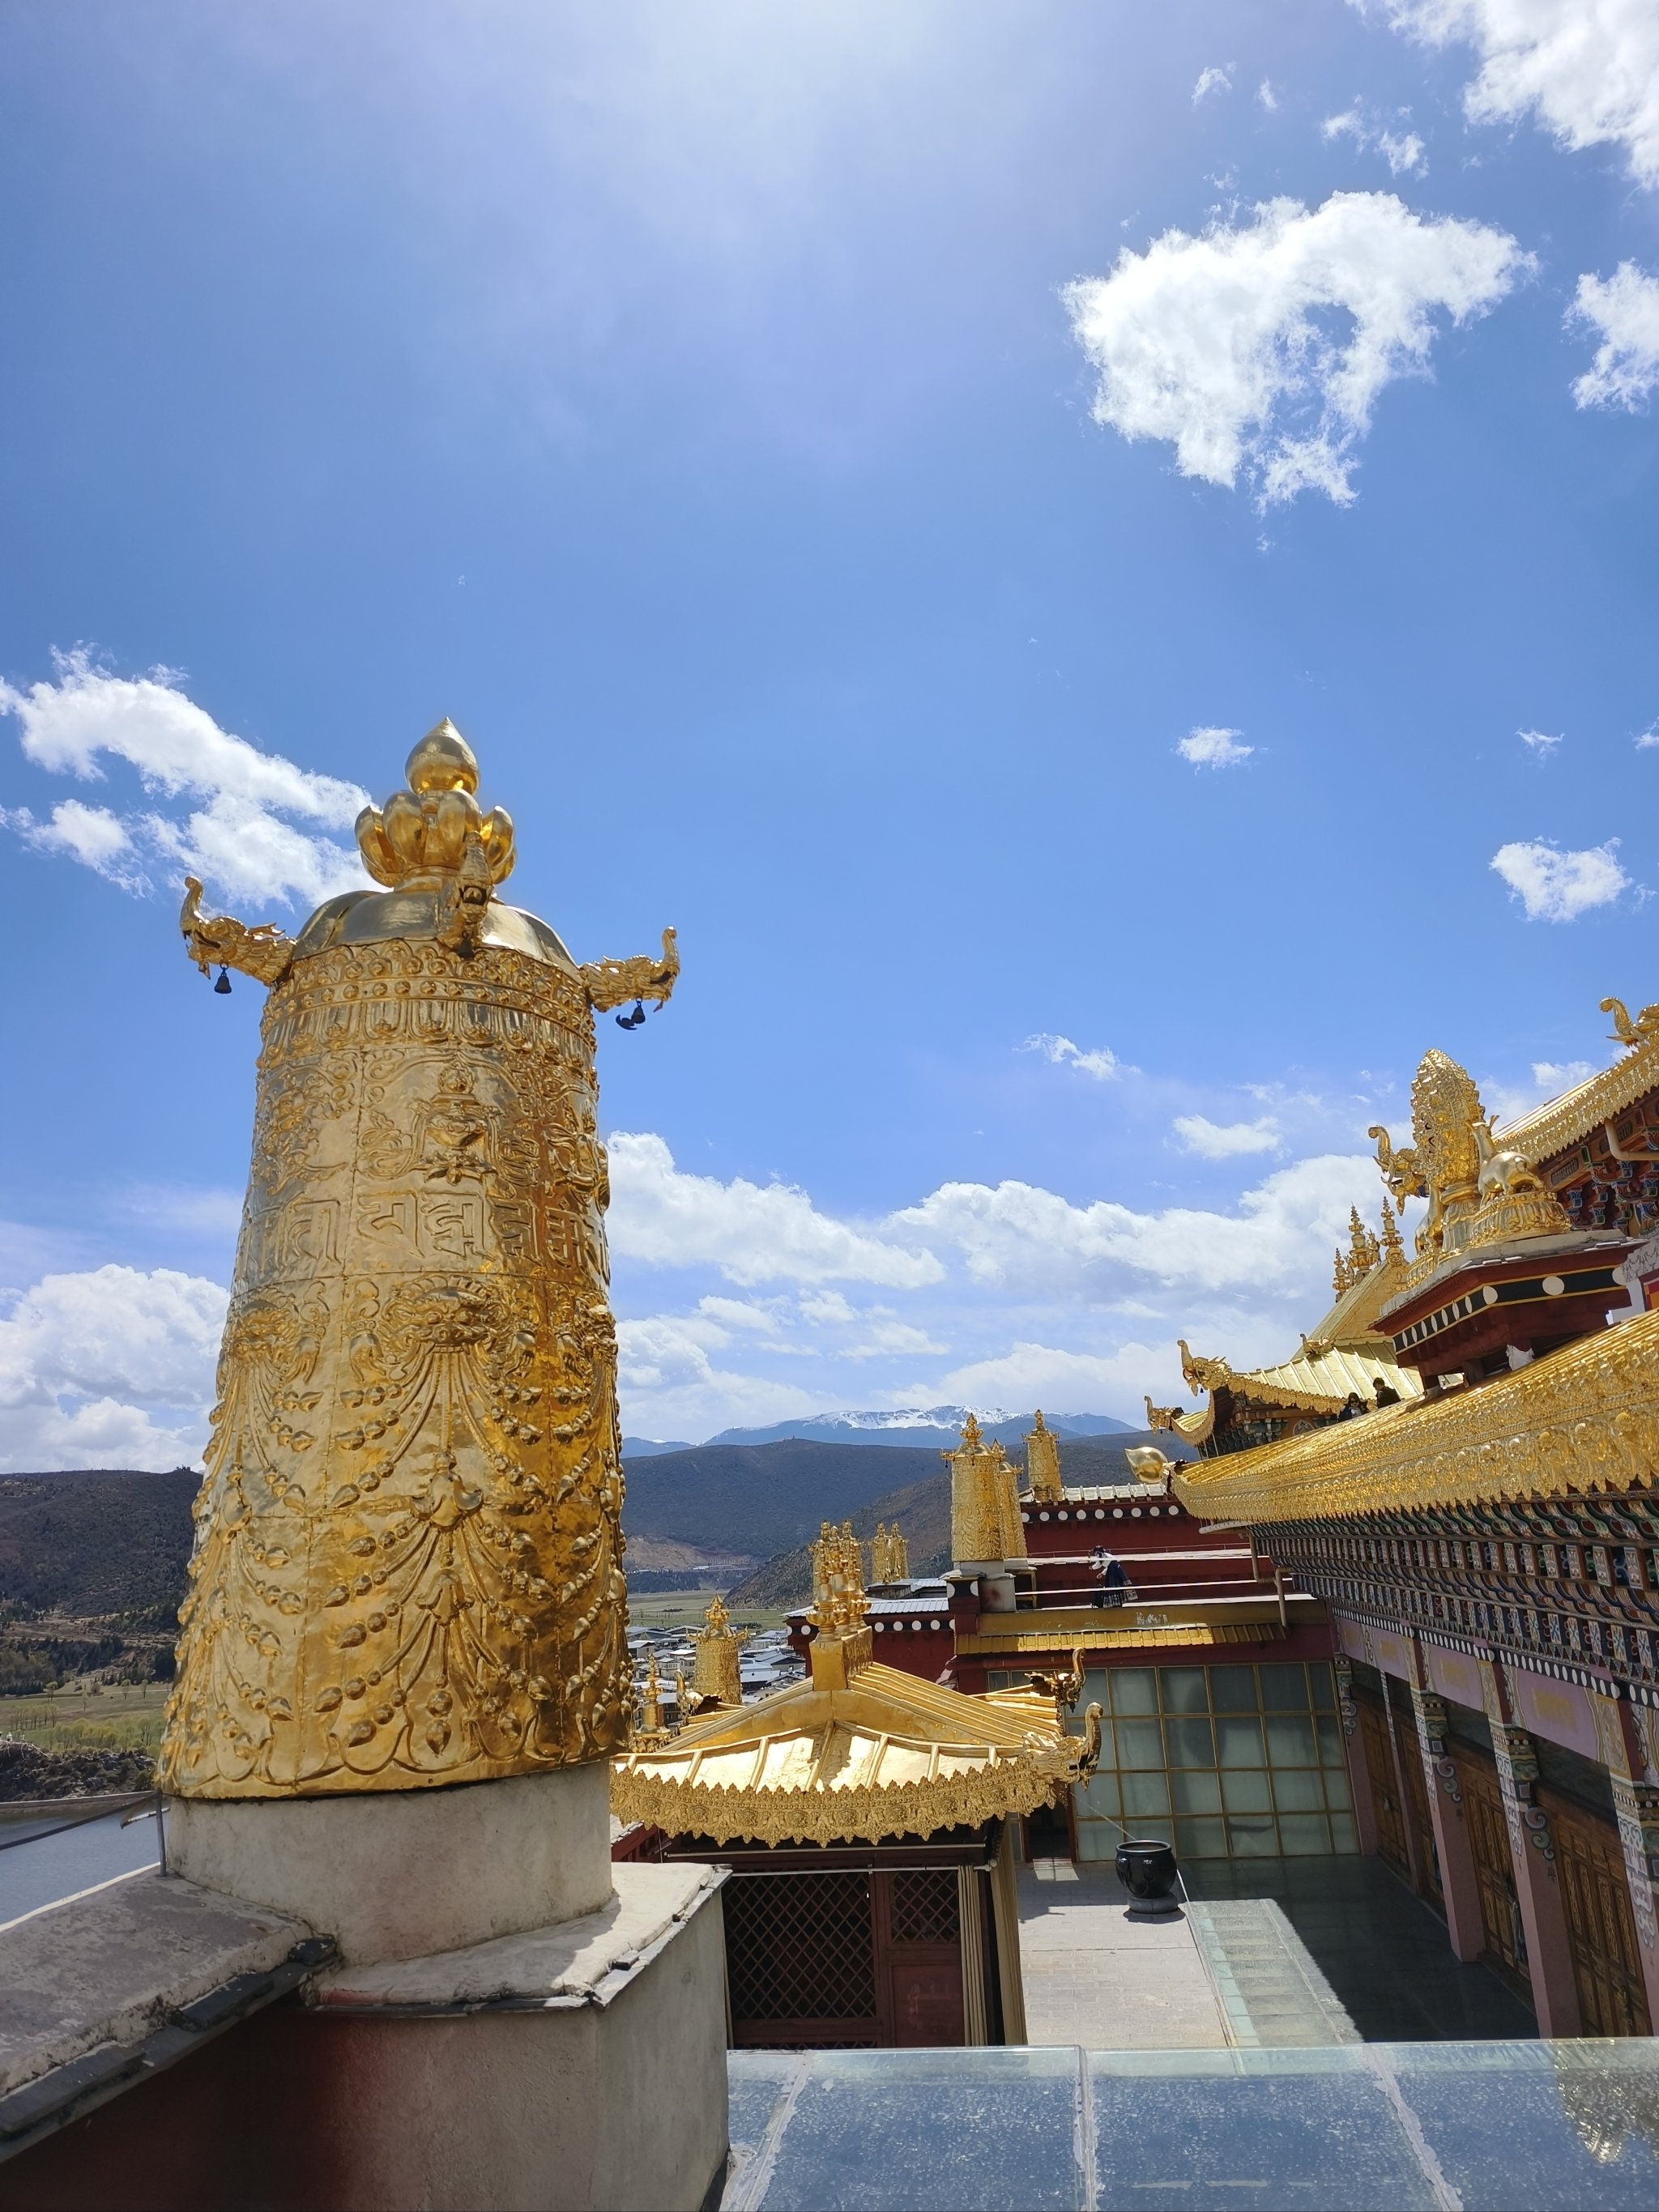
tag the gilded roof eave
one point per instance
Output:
(887, 1755)
(1584, 1419)
(1565, 1121)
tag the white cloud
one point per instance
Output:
(666, 1379)
(1015, 1233)
(1213, 748)
(1624, 308)
(1554, 1076)
(1557, 886)
(1507, 1101)
(1588, 69)
(1266, 96)
(1646, 739)
(110, 1368)
(1540, 742)
(1223, 345)
(1214, 1140)
(1101, 1062)
(1404, 153)
(1213, 79)
(235, 839)
(886, 1338)
(188, 1210)
(1042, 1375)
(752, 1233)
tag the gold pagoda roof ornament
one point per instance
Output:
(986, 1526)
(1042, 1462)
(652, 1728)
(855, 1752)
(407, 1563)
(889, 1555)
(715, 1649)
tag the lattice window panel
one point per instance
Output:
(799, 1947)
(921, 1906)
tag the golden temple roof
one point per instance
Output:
(857, 1751)
(1318, 1380)
(1582, 1420)
(1577, 1114)
(887, 1755)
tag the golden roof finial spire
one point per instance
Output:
(1392, 1248)
(1043, 1461)
(427, 830)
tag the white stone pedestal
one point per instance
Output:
(576, 2067)
(515, 2025)
(396, 1874)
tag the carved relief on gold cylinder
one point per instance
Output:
(407, 1563)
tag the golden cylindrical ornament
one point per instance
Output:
(407, 1562)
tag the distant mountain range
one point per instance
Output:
(935, 1425)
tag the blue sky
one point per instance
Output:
(829, 461)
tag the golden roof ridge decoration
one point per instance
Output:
(1568, 1120)
(1582, 1420)
(1479, 1192)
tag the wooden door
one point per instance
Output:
(919, 1956)
(1494, 1868)
(1378, 1752)
(800, 1961)
(1601, 1928)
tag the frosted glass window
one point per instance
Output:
(1252, 1839)
(1134, 1690)
(1320, 1687)
(1140, 1743)
(1302, 1834)
(1232, 1689)
(1183, 1690)
(1239, 1742)
(1190, 1742)
(1145, 1793)
(1246, 1792)
(1290, 1741)
(1298, 1793)
(1284, 1689)
(1345, 1837)
(1331, 1750)
(1099, 1795)
(1196, 1793)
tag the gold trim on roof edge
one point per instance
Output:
(1584, 1418)
(999, 1762)
(1288, 1383)
(1568, 1120)
(861, 1815)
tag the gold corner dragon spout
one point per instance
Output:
(408, 1559)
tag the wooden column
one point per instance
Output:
(1359, 1773)
(1636, 1804)
(1532, 1853)
(1460, 1891)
